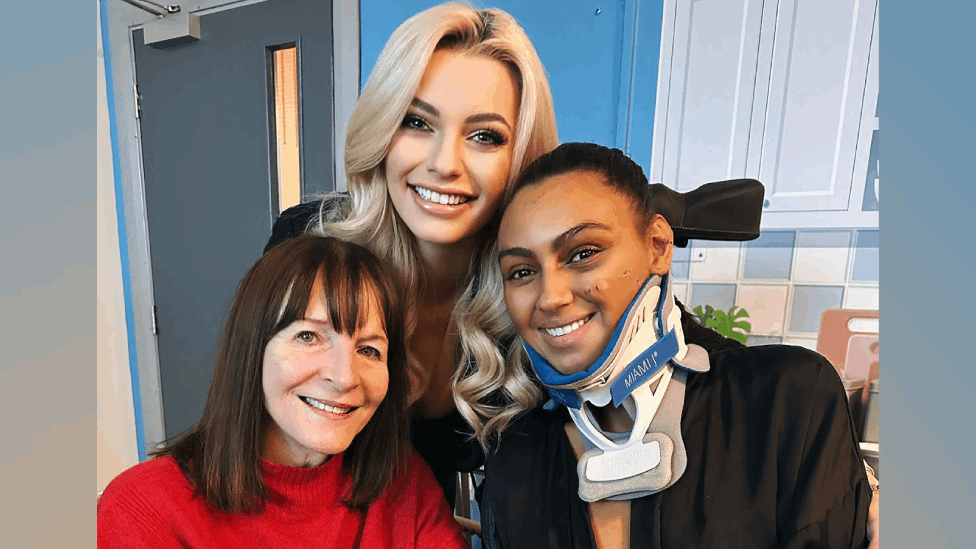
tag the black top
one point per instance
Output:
(773, 461)
(293, 222)
(444, 442)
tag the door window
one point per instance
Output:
(284, 69)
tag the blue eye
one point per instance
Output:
(306, 336)
(489, 137)
(414, 122)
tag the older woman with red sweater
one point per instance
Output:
(304, 437)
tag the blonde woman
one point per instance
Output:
(457, 104)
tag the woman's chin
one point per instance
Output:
(570, 363)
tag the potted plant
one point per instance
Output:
(729, 323)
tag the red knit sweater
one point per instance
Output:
(153, 505)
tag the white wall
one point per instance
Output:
(116, 449)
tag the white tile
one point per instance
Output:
(862, 298)
(719, 296)
(809, 303)
(799, 341)
(755, 340)
(770, 256)
(820, 265)
(721, 263)
(681, 293)
(766, 306)
(866, 257)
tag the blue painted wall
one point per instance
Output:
(602, 66)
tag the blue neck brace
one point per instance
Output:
(634, 374)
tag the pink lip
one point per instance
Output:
(568, 341)
(440, 210)
(561, 323)
(331, 402)
(443, 190)
(330, 415)
(327, 414)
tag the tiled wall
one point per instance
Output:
(785, 279)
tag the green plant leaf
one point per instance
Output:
(728, 323)
(739, 329)
(739, 336)
(704, 315)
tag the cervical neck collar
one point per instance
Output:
(646, 345)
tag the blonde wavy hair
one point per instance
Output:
(369, 218)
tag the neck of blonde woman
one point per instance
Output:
(445, 268)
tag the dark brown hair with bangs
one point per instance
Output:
(220, 454)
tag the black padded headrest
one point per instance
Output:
(723, 210)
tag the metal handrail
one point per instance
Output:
(158, 10)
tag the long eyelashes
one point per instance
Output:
(414, 122)
(583, 255)
(486, 137)
(519, 274)
(372, 352)
(489, 137)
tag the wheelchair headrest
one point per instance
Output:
(724, 210)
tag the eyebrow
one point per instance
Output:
(326, 323)
(377, 338)
(556, 243)
(488, 117)
(473, 119)
(425, 106)
(516, 252)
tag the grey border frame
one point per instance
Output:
(122, 20)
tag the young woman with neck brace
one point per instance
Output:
(658, 433)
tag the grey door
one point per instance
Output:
(207, 146)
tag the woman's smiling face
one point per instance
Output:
(450, 160)
(573, 257)
(321, 387)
